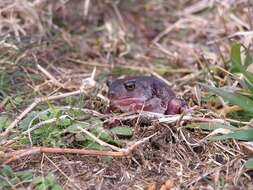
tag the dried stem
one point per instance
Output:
(9, 157)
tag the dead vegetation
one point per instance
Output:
(55, 58)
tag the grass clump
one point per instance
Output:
(10, 179)
(58, 127)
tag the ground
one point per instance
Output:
(57, 47)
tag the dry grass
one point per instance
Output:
(176, 41)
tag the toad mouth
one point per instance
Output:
(127, 101)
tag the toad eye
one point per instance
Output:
(129, 85)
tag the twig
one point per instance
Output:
(86, 7)
(93, 64)
(19, 118)
(119, 16)
(59, 169)
(174, 118)
(161, 78)
(197, 7)
(166, 31)
(164, 50)
(102, 143)
(39, 150)
(246, 33)
(62, 117)
(169, 118)
(239, 21)
(47, 74)
(200, 177)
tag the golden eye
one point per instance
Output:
(129, 85)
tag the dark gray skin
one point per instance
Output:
(145, 93)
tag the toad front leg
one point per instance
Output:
(176, 106)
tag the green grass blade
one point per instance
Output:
(249, 76)
(122, 131)
(209, 126)
(249, 164)
(248, 85)
(234, 98)
(237, 66)
(248, 60)
(235, 56)
(242, 134)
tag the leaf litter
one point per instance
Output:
(184, 43)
